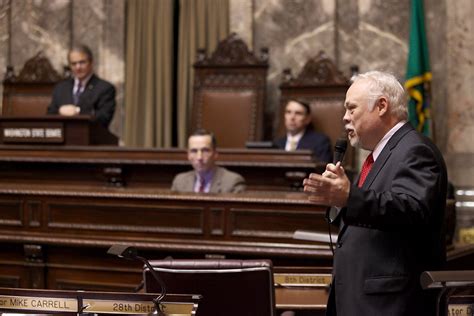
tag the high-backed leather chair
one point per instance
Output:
(29, 92)
(324, 87)
(229, 93)
(228, 287)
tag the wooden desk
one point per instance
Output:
(56, 237)
(304, 290)
(139, 168)
(57, 218)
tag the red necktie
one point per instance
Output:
(369, 161)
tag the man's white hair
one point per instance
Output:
(385, 84)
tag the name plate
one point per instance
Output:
(466, 235)
(302, 279)
(45, 304)
(134, 307)
(53, 133)
(460, 309)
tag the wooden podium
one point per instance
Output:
(456, 291)
(58, 130)
(46, 302)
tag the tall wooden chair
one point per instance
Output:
(229, 93)
(324, 87)
(29, 92)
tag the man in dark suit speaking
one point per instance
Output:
(391, 218)
(85, 93)
(300, 133)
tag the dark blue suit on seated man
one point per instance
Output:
(300, 134)
(85, 93)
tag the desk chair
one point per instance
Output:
(323, 87)
(29, 92)
(229, 93)
(228, 287)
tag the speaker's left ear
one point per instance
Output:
(382, 105)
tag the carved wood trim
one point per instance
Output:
(275, 198)
(37, 69)
(319, 70)
(162, 244)
(231, 80)
(232, 51)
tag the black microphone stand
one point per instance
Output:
(130, 253)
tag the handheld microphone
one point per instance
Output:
(130, 253)
(339, 150)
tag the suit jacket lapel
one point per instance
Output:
(303, 141)
(377, 166)
(68, 91)
(84, 102)
(216, 185)
(379, 163)
(385, 154)
(189, 181)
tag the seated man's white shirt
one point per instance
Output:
(293, 139)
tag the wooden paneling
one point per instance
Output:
(280, 224)
(133, 168)
(162, 219)
(12, 213)
(75, 225)
(125, 218)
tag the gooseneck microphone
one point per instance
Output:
(128, 252)
(339, 150)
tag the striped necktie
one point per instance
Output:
(202, 185)
(77, 94)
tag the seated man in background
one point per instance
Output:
(300, 133)
(84, 93)
(206, 176)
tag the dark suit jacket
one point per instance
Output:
(223, 181)
(98, 99)
(392, 231)
(318, 143)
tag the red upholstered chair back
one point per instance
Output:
(29, 93)
(323, 86)
(228, 287)
(229, 93)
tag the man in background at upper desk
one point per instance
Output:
(391, 218)
(206, 176)
(84, 93)
(300, 133)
